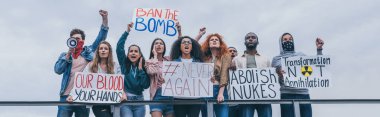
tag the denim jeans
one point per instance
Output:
(68, 111)
(187, 110)
(234, 111)
(287, 110)
(263, 110)
(165, 109)
(220, 110)
(102, 111)
(133, 110)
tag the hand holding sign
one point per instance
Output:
(161, 80)
(319, 42)
(220, 98)
(130, 25)
(124, 97)
(178, 26)
(212, 79)
(70, 99)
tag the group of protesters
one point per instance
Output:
(141, 73)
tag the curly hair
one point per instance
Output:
(206, 46)
(196, 52)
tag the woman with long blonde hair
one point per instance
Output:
(102, 63)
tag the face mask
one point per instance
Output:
(78, 49)
(288, 46)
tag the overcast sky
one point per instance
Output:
(34, 33)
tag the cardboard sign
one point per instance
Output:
(187, 79)
(97, 88)
(156, 20)
(307, 71)
(254, 84)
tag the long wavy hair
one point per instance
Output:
(96, 61)
(152, 47)
(196, 52)
(128, 62)
(206, 47)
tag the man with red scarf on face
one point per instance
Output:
(75, 60)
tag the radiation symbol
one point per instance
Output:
(306, 70)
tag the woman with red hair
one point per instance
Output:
(215, 50)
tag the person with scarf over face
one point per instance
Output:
(287, 49)
(75, 60)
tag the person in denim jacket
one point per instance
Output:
(75, 60)
(136, 79)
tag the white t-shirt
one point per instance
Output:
(186, 60)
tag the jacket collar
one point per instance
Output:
(245, 52)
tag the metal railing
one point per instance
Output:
(209, 103)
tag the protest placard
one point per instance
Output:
(187, 79)
(307, 71)
(97, 88)
(156, 20)
(254, 84)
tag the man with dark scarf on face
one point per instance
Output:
(252, 59)
(75, 60)
(287, 49)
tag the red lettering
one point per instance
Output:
(100, 83)
(111, 82)
(76, 80)
(120, 83)
(167, 13)
(175, 14)
(158, 13)
(88, 81)
(150, 12)
(140, 12)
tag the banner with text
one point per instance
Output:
(187, 79)
(307, 71)
(254, 84)
(97, 88)
(156, 20)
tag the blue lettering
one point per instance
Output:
(154, 24)
(140, 21)
(170, 24)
